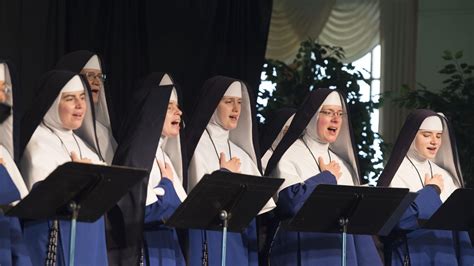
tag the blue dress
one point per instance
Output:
(161, 242)
(90, 242)
(241, 250)
(303, 248)
(8, 191)
(12, 248)
(427, 247)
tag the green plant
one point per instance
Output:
(319, 66)
(455, 100)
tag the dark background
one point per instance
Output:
(192, 40)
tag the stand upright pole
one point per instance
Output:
(343, 222)
(72, 240)
(225, 218)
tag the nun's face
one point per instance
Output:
(427, 143)
(3, 94)
(172, 120)
(228, 111)
(94, 77)
(72, 108)
(329, 123)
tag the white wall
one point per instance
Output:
(442, 25)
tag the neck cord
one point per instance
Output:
(312, 155)
(215, 148)
(416, 169)
(62, 142)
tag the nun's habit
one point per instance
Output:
(46, 144)
(206, 139)
(13, 250)
(142, 146)
(406, 168)
(273, 131)
(76, 62)
(296, 160)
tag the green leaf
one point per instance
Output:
(458, 54)
(447, 55)
(449, 71)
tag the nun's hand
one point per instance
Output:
(232, 165)
(165, 170)
(76, 158)
(332, 167)
(436, 180)
(1, 161)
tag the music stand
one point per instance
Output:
(224, 201)
(456, 213)
(351, 209)
(77, 192)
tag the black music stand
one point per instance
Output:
(351, 209)
(224, 201)
(456, 213)
(77, 192)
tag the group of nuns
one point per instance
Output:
(71, 119)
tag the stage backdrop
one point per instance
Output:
(193, 40)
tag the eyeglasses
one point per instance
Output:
(6, 89)
(332, 113)
(91, 76)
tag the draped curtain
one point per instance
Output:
(293, 22)
(352, 25)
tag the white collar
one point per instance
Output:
(61, 132)
(217, 132)
(315, 144)
(415, 156)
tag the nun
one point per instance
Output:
(317, 149)
(124, 227)
(222, 135)
(425, 160)
(275, 128)
(48, 141)
(89, 65)
(152, 141)
(13, 251)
